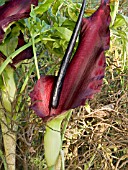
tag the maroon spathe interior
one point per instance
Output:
(86, 70)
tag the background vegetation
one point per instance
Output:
(97, 134)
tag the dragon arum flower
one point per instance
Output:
(13, 11)
(85, 72)
(82, 79)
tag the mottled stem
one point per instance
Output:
(8, 128)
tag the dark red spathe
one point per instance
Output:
(85, 72)
(14, 10)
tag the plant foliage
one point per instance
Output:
(96, 137)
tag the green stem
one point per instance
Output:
(18, 106)
(4, 160)
(13, 55)
(114, 10)
(69, 114)
(26, 79)
(35, 57)
(63, 160)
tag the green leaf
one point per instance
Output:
(9, 46)
(2, 2)
(45, 27)
(72, 13)
(43, 7)
(56, 6)
(56, 44)
(1, 82)
(61, 20)
(33, 14)
(120, 21)
(11, 41)
(64, 33)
